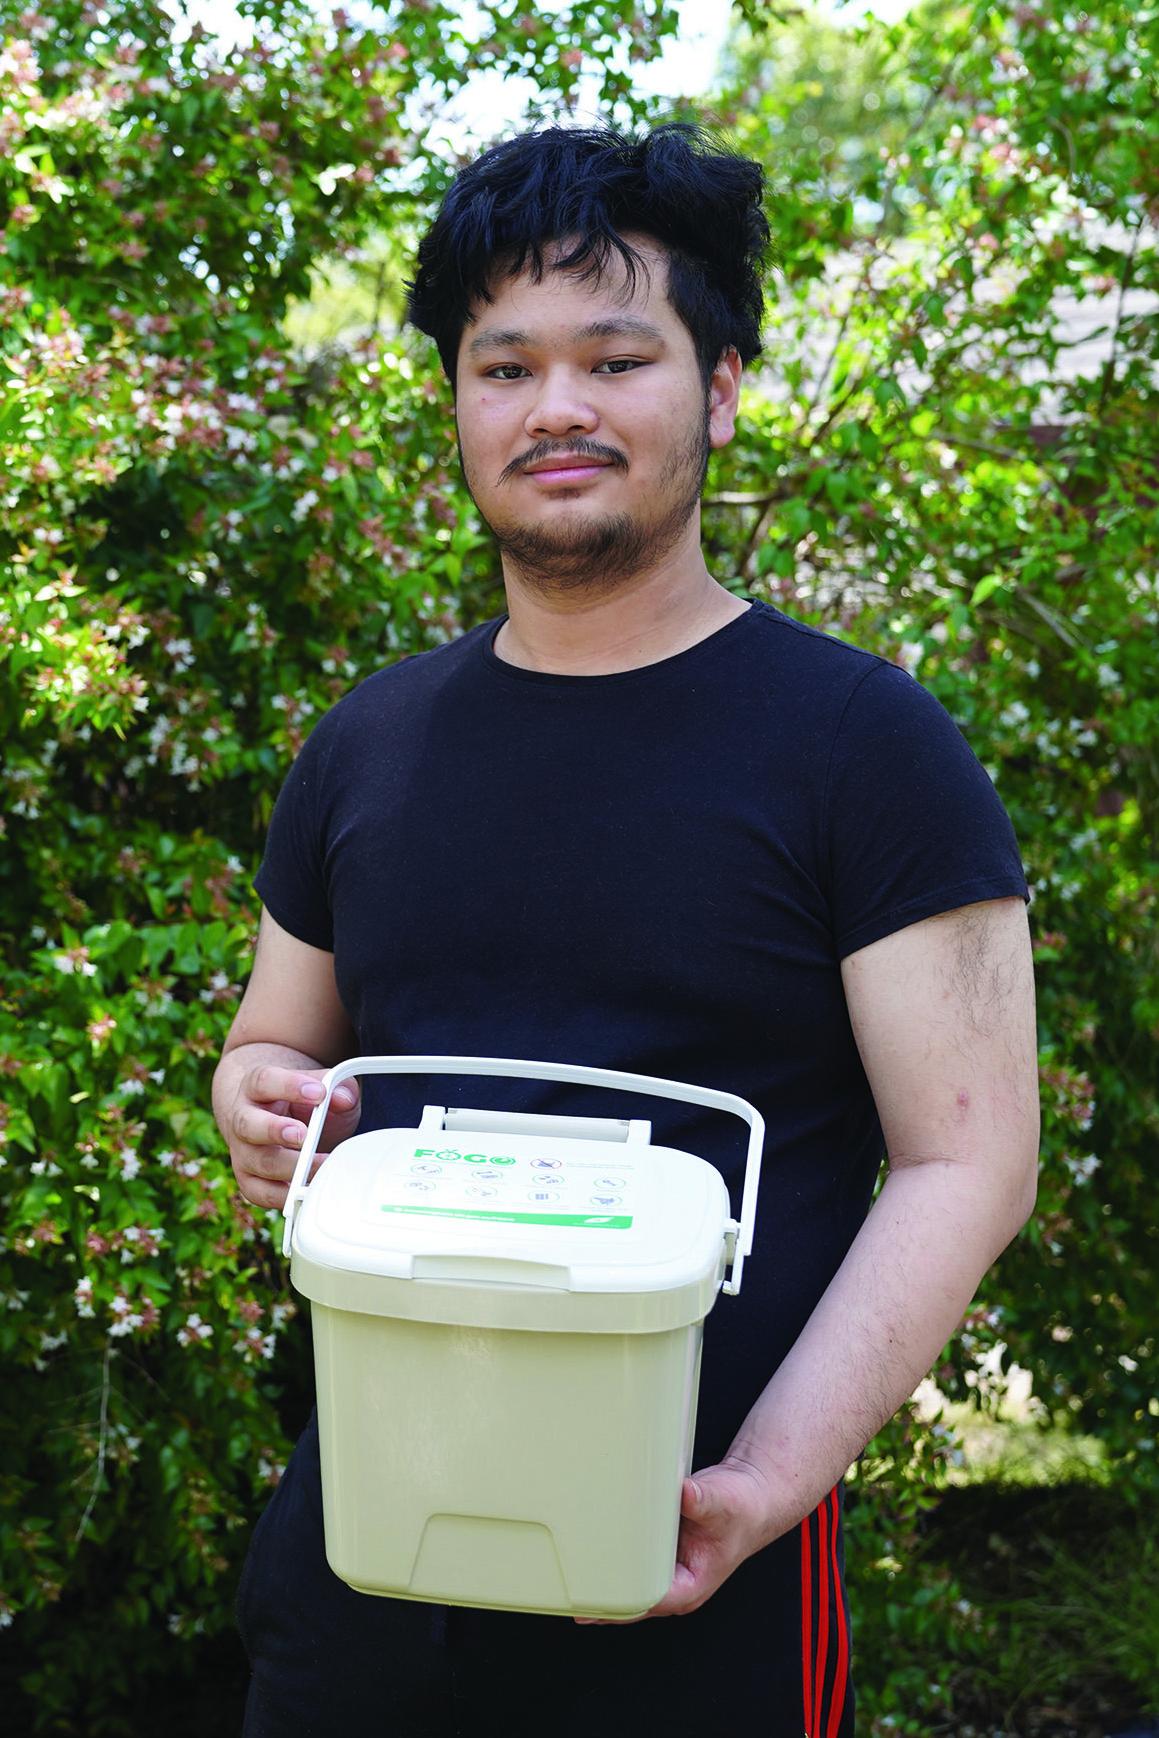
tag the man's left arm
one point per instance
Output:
(943, 1015)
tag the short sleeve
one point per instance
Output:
(914, 824)
(291, 882)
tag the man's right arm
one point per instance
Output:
(291, 1026)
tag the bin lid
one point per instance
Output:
(506, 1229)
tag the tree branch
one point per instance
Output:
(102, 1447)
(1109, 367)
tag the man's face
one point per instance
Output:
(584, 426)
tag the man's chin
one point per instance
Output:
(590, 554)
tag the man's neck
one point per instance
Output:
(639, 622)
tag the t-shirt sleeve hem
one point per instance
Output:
(931, 904)
(290, 921)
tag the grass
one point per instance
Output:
(1028, 1605)
(1066, 1579)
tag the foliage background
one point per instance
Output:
(208, 532)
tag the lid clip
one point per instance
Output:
(731, 1281)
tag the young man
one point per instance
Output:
(646, 823)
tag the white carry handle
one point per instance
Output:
(571, 1073)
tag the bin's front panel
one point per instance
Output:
(492, 1467)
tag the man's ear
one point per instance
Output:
(724, 397)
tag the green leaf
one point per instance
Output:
(986, 588)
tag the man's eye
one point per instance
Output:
(508, 371)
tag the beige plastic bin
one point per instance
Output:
(508, 1313)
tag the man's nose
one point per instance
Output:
(560, 407)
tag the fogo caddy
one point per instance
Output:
(508, 1313)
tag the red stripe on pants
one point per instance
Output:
(822, 1608)
(807, 1624)
(841, 1673)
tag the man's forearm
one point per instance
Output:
(896, 1299)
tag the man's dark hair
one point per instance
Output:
(676, 184)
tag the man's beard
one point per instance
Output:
(601, 552)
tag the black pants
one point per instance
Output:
(768, 1654)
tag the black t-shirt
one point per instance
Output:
(659, 871)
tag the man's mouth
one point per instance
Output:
(571, 468)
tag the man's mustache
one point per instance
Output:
(582, 449)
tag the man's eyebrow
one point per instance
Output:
(622, 326)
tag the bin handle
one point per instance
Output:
(741, 1235)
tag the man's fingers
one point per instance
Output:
(256, 1127)
(269, 1163)
(270, 1084)
(264, 1177)
(262, 1194)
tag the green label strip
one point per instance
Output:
(593, 1221)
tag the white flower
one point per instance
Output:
(254, 1341)
(1107, 676)
(1082, 1170)
(1015, 713)
(130, 1164)
(194, 1330)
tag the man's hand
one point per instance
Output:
(724, 1518)
(264, 1122)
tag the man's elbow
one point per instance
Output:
(1025, 1189)
(1029, 1201)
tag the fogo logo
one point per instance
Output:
(448, 1153)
